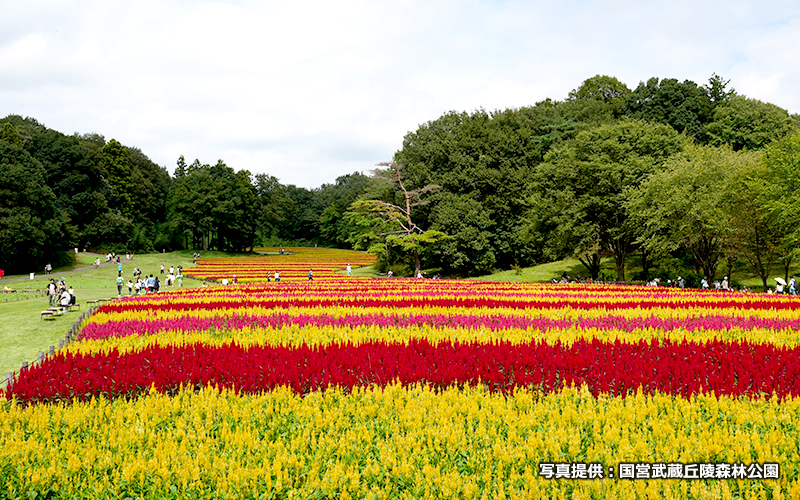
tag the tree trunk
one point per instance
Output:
(417, 263)
(646, 264)
(592, 264)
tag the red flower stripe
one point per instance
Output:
(679, 368)
(124, 328)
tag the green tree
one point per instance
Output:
(782, 196)
(337, 198)
(33, 230)
(696, 202)
(606, 89)
(684, 106)
(400, 228)
(469, 249)
(581, 189)
(116, 168)
(749, 124)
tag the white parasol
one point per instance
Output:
(781, 281)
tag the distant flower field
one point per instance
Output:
(292, 265)
(368, 388)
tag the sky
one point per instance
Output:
(309, 90)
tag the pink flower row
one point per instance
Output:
(125, 328)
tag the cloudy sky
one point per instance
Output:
(311, 90)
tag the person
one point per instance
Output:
(180, 280)
(119, 269)
(51, 292)
(162, 268)
(130, 287)
(779, 288)
(157, 283)
(793, 286)
(704, 283)
(234, 281)
(120, 281)
(349, 269)
(65, 298)
(391, 273)
(151, 284)
(72, 298)
(48, 268)
(724, 285)
(277, 276)
(224, 281)
(310, 275)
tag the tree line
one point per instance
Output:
(687, 177)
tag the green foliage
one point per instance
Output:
(692, 204)
(33, 231)
(469, 250)
(606, 89)
(749, 124)
(213, 207)
(684, 106)
(579, 192)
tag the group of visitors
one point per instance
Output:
(781, 287)
(140, 285)
(60, 294)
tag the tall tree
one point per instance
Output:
(749, 124)
(33, 230)
(581, 189)
(693, 202)
(684, 106)
(403, 228)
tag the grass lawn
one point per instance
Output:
(23, 332)
(741, 275)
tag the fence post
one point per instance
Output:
(24, 366)
(52, 350)
(41, 357)
(9, 380)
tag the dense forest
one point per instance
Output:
(686, 177)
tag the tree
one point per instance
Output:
(469, 251)
(401, 229)
(749, 124)
(684, 106)
(274, 208)
(782, 195)
(337, 198)
(32, 230)
(693, 202)
(606, 89)
(581, 189)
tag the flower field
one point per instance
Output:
(294, 265)
(368, 388)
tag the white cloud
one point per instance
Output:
(310, 90)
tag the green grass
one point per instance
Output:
(741, 275)
(23, 332)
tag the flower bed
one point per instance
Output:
(413, 389)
